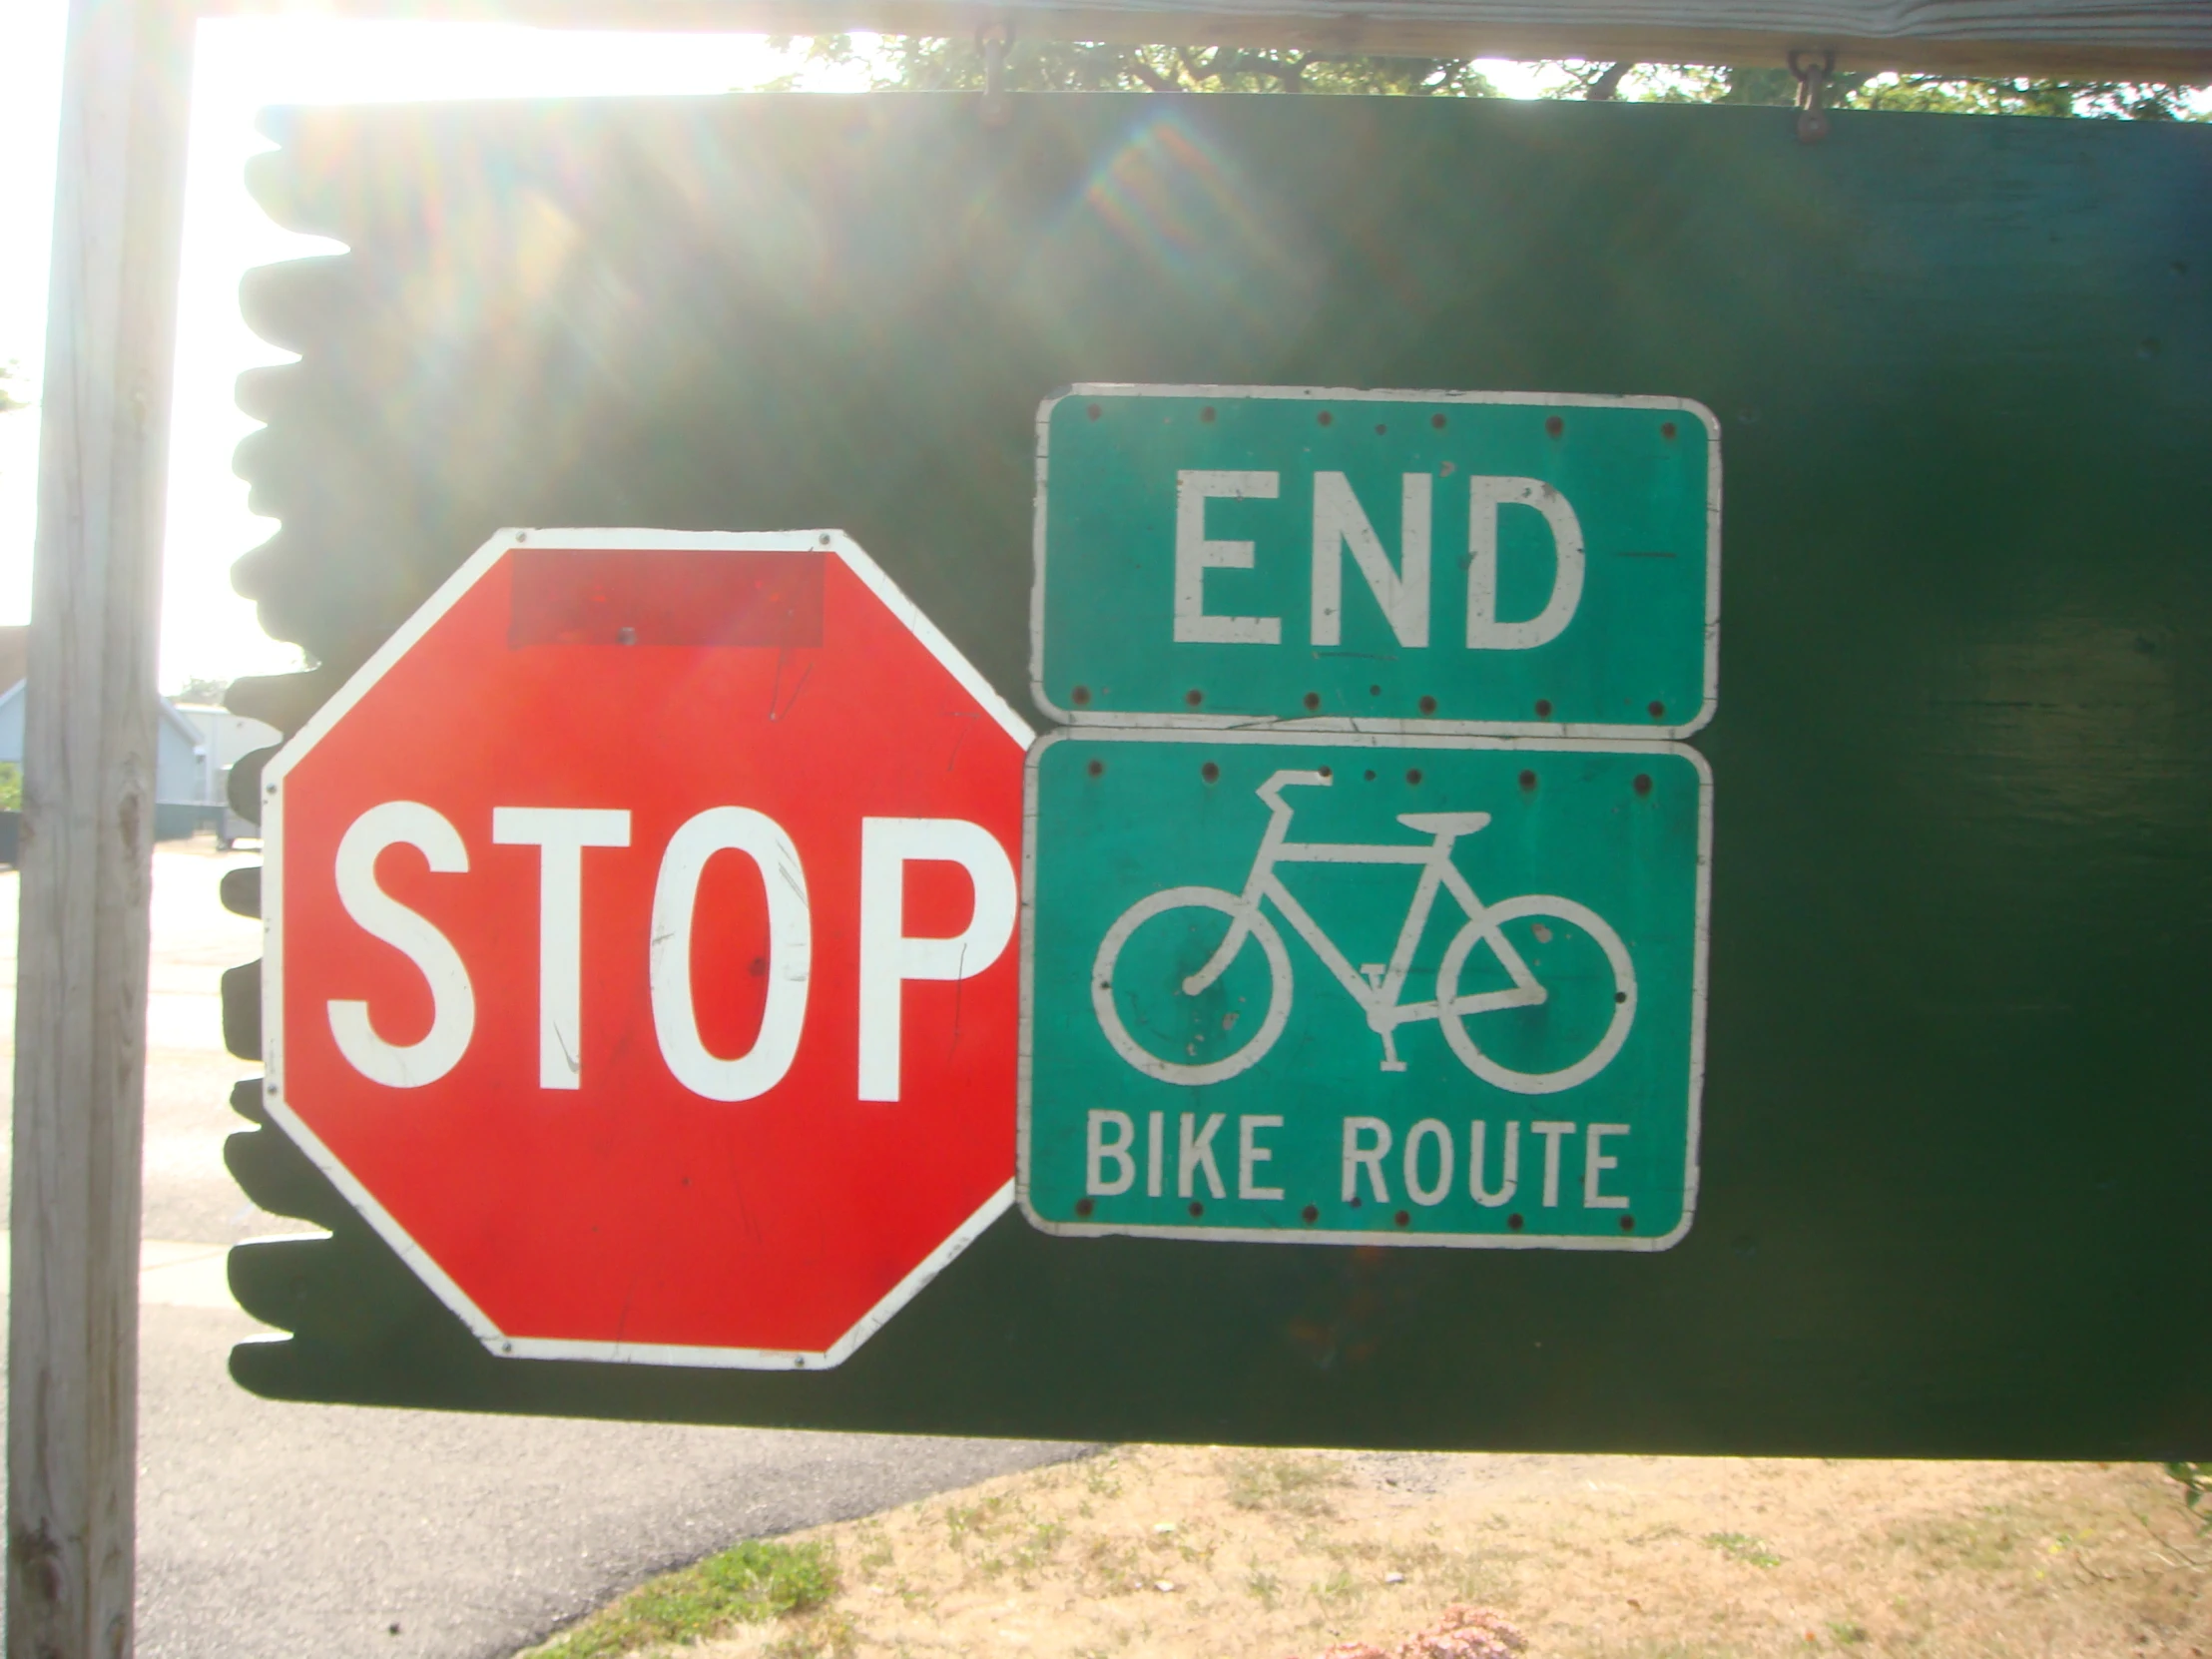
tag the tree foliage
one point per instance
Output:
(925, 63)
(11, 376)
(2196, 1492)
(1928, 94)
(918, 63)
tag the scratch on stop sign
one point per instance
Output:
(953, 759)
(783, 656)
(953, 1047)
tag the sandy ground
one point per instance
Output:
(1201, 1553)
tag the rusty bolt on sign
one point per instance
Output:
(1815, 81)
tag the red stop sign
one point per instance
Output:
(640, 954)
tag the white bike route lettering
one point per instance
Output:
(1376, 987)
(1427, 1166)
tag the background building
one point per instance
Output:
(195, 747)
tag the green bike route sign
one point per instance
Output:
(1481, 562)
(1358, 989)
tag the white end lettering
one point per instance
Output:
(1195, 555)
(1486, 497)
(1340, 522)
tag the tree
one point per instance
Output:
(202, 689)
(11, 375)
(925, 63)
(2111, 100)
(1934, 93)
(919, 63)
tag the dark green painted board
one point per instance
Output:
(1956, 1138)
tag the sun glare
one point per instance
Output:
(241, 68)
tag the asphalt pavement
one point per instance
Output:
(273, 1531)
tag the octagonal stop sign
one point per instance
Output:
(640, 946)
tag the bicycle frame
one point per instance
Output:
(1376, 987)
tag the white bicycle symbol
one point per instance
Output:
(1375, 986)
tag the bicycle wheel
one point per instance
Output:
(1548, 907)
(1202, 941)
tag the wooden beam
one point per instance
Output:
(88, 826)
(2156, 40)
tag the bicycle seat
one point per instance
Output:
(1445, 823)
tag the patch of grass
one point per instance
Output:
(1264, 1588)
(1022, 1554)
(914, 1597)
(1844, 1633)
(825, 1636)
(1044, 1540)
(1344, 1551)
(1341, 1587)
(991, 1518)
(1111, 1567)
(754, 1582)
(2195, 1478)
(1483, 1578)
(1738, 1546)
(1982, 1543)
(1279, 1480)
(1423, 1558)
(1193, 1555)
(877, 1557)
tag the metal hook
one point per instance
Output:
(998, 103)
(1813, 81)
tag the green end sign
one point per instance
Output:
(1376, 561)
(1356, 989)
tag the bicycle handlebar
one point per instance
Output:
(1269, 791)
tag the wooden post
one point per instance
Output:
(88, 826)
